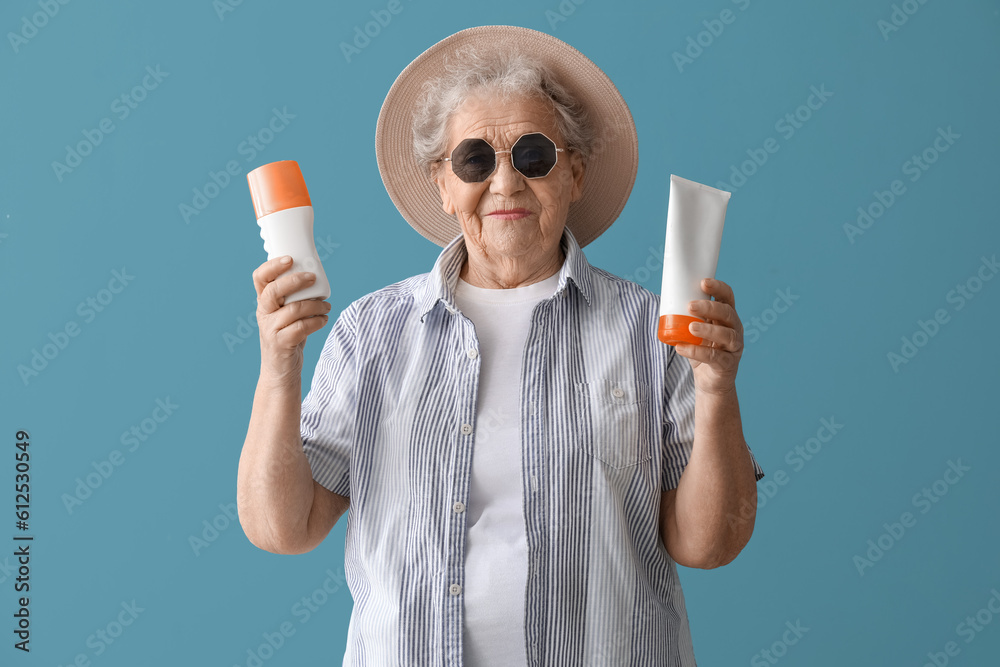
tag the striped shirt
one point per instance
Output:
(607, 425)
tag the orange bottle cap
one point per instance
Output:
(674, 329)
(277, 186)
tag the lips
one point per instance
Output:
(510, 214)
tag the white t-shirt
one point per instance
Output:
(496, 562)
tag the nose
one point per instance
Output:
(505, 180)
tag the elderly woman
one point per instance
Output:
(523, 461)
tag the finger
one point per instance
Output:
(725, 338)
(707, 355)
(298, 331)
(269, 271)
(720, 290)
(298, 310)
(273, 296)
(716, 311)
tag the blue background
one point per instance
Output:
(164, 336)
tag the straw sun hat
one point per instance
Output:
(611, 168)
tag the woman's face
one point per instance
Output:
(546, 199)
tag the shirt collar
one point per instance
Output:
(443, 278)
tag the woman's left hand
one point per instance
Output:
(715, 361)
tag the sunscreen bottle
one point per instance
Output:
(285, 215)
(695, 216)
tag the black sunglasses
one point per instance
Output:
(533, 155)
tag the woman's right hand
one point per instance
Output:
(284, 328)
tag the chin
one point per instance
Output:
(510, 238)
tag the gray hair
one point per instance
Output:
(506, 74)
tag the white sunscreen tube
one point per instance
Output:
(695, 215)
(285, 215)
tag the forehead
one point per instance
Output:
(501, 122)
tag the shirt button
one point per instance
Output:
(466, 429)
(617, 392)
(472, 353)
(458, 507)
(455, 589)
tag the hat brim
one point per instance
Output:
(611, 167)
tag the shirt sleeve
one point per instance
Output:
(678, 420)
(329, 409)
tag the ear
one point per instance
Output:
(578, 167)
(439, 179)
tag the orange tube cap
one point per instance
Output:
(674, 329)
(277, 186)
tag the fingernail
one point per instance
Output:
(309, 276)
(286, 260)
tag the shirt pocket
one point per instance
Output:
(617, 409)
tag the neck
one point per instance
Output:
(482, 269)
